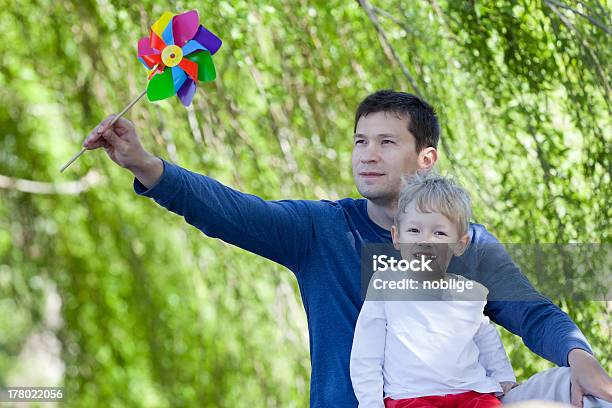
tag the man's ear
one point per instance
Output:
(395, 237)
(427, 158)
(461, 245)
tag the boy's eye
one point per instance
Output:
(413, 230)
(359, 141)
(440, 233)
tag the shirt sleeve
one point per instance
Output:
(367, 355)
(517, 306)
(492, 355)
(277, 230)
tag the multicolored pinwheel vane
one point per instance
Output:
(178, 54)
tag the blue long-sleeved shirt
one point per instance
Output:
(321, 241)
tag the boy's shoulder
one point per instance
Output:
(466, 289)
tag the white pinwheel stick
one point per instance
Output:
(115, 119)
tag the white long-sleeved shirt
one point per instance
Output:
(409, 349)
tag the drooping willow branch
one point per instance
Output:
(593, 21)
(587, 47)
(387, 47)
(39, 187)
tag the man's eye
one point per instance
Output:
(359, 141)
(387, 141)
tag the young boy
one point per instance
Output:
(440, 350)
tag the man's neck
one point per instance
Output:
(382, 213)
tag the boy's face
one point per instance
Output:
(429, 235)
(384, 151)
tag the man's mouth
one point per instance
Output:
(371, 174)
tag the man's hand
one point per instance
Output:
(588, 378)
(507, 386)
(120, 142)
(123, 146)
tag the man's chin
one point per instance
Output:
(377, 194)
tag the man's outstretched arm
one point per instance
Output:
(277, 230)
(548, 331)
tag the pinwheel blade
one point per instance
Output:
(156, 42)
(161, 86)
(160, 25)
(210, 41)
(147, 55)
(144, 47)
(178, 77)
(192, 46)
(190, 68)
(185, 94)
(206, 67)
(184, 27)
(167, 35)
(150, 61)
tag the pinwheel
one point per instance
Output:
(178, 54)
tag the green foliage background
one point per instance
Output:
(155, 314)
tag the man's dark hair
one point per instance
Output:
(422, 119)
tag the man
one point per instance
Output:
(320, 241)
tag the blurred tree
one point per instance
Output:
(522, 87)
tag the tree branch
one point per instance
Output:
(391, 17)
(38, 187)
(387, 47)
(589, 50)
(593, 21)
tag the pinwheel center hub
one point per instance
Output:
(172, 55)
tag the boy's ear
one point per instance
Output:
(461, 245)
(395, 237)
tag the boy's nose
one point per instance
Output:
(425, 244)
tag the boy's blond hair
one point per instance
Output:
(434, 193)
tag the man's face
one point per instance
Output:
(383, 152)
(430, 235)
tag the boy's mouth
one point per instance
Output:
(424, 255)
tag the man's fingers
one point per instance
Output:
(93, 139)
(111, 137)
(105, 124)
(122, 126)
(576, 394)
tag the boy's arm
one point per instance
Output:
(367, 355)
(492, 354)
(277, 230)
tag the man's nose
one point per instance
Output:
(370, 154)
